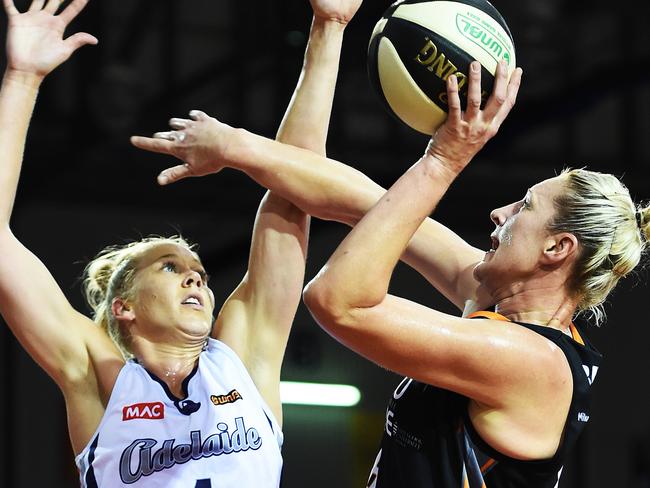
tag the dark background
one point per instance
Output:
(583, 101)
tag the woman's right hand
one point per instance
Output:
(35, 44)
(201, 142)
(464, 133)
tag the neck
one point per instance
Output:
(172, 363)
(547, 305)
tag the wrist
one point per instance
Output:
(328, 25)
(453, 158)
(441, 169)
(236, 142)
(28, 80)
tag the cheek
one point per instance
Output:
(147, 297)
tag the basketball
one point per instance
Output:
(418, 44)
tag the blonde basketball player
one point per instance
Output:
(171, 400)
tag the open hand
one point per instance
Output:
(35, 43)
(200, 142)
(464, 133)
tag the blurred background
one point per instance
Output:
(584, 101)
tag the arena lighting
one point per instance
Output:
(322, 394)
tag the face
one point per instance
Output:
(520, 238)
(170, 295)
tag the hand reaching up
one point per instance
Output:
(35, 43)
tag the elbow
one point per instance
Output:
(327, 305)
(6, 236)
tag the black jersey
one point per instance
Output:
(429, 440)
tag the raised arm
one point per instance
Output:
(59, 339)
(507, 373)
(321, 187)
(256, 319)
(349, 297)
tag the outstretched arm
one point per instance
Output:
(321, 187)
(61, 340)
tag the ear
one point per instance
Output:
(122, 311)
(559, 247)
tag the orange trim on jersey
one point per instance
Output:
(487, 465)
(576, 335)
(486, 314)
(489, 315)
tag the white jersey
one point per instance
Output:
(222, 434)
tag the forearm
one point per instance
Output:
(17, 98)
(307, 117)
(306, 120)
(359, 271)
(322, 187)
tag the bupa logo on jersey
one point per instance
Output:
(150, 411)
(141, 458)
(230, 397)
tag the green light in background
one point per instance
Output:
(327, 395)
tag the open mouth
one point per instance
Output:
(193, 300)
(494, 243)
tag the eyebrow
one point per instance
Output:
(174, 255)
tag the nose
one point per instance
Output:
(499, 215)
(193, 278)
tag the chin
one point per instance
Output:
(198, 329)
(479, 271)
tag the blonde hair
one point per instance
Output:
(110, 274)
(612, 230)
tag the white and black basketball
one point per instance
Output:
(418, 44)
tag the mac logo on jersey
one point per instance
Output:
(150, 411)
(230, 397)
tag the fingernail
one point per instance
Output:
(475, 66)
(162, 179)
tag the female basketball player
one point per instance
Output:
(195, 405)
(495, 398)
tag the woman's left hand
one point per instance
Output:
(463, 134)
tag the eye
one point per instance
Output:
(169, 266)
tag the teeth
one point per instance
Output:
(192, 301)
